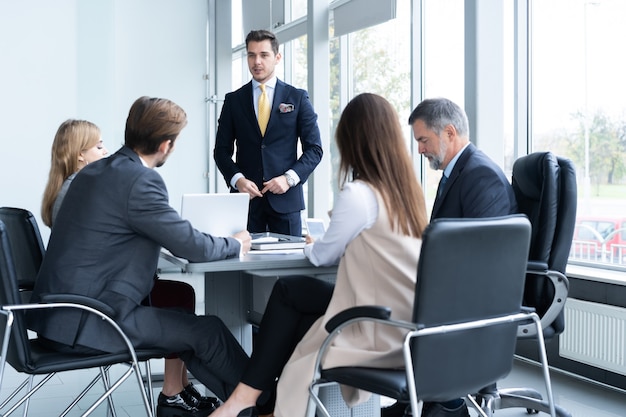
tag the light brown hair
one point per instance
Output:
(152, 121)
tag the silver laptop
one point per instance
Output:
(215, 213)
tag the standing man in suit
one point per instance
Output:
(471, 186)
(105, 244)
(266, 164)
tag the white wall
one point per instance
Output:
(90, 59)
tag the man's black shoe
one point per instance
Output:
(203, 403)
(438, 410)
(179, 405)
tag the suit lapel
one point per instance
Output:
(458, 168)
(279, 97)
(247, 103)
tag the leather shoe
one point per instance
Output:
(179, 405)
(203, 403)
(248, 412)
(438, 410)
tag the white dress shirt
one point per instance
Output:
(355, 210)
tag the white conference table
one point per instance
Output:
(236, 290)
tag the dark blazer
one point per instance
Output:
(105, 244)
(262, 158)
(477, 188)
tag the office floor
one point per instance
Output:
(582, 399)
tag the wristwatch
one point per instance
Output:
(290, 180)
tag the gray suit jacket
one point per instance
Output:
(105, 244)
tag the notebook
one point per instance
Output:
(216, 214)
(273, 241)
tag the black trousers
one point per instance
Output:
(263, 218)
(294, 305)
(204, 343)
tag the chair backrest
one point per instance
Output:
(18, 354)
(469, 269)
(566, 216)
(545, 189)
(26, 244)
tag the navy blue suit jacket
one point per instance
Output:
(261, 158)
(477, 188)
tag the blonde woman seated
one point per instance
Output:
(374, 234)
(78, 143)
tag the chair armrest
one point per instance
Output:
(561, 289)
(80, 302)
(536, 266)
(79, 299)
(372, 312)
(347, 317)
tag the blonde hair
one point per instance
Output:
(72, 138)
(372, 148)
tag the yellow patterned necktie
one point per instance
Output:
(264, 110)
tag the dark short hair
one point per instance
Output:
(151, 121)
(263, 35)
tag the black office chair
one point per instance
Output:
(467, 308)
(26, 244)
(545, 188)
(29, 356)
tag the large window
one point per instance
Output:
(575, 79)
(578, 111)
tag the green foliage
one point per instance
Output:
(607, 148)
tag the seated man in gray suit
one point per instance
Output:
(105, 244)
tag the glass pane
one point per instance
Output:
(294, 71)
(444, 69)
(295, 62)
(237, 23)
(298, 9)
(578, 111)
(374, 60)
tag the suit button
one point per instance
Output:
(262, 146)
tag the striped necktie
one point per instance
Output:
(264, 109)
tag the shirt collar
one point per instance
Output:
(143, 162)
(452, 163)
(271, 83)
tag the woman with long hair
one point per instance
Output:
(76, 144)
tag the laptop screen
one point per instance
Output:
(216, 214)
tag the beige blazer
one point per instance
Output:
(379, 267)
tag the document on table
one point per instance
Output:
(275, 252)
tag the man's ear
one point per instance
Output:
(450, 131)
(165, 146)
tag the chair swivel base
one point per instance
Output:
(529, 399)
